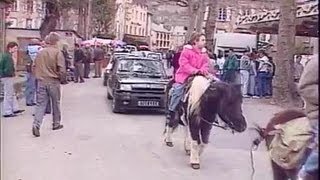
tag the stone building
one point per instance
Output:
(160, 37)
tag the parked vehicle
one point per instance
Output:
(114, 56)
(137, 83)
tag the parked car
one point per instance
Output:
(114, 56)
(137, 83)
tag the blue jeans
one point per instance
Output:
(176, 94)
(30, 91)
(262, 84)
(269, 84)
(312, 163)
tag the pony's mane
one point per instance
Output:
(198, 86)
(283, 117)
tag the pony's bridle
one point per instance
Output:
(217, 125)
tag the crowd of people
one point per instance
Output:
(47, 69)
(253, 70)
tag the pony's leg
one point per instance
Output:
(194, 153)
(205, 134)
(168, 136)
(187, 140)
(278, 172)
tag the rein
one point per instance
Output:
(215, 124)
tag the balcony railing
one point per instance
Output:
(305, 10)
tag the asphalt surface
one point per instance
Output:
(98, 144)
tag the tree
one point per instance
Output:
(211, 24)
(285, 91)
(53, 11)
(103, 15)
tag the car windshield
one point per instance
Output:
(117, 55)
(140, 66)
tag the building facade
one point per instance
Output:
(160, 37)
(178, 36)
(133, 21)
(26, 14)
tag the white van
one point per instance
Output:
(239, 42)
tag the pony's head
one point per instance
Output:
(281, 117)
(229, 107)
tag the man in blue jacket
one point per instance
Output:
(32, 49)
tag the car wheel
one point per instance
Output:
(115, 107)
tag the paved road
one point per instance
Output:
(97, 144)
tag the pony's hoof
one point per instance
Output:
(188, 152)
(170, 144)
(195, 165)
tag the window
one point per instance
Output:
(144, 17)
(140, 33)
(222, 14)
(130, 32)
(157, 35)
(14, 6)
(126, 29)
(13, 22)
(135, 30)
(29, 6)
(141, 16)
(143, 32)
(29, 23)
(247, 12)
(137, 15)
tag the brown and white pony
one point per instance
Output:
(197, 113)
(282, 117)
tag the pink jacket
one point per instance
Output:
(191, 61)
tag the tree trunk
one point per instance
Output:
(211, 24)
(51, 18)
(81, 17)
(285, 90)
(192, 9)
(200, 15)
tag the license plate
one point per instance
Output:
(148, 103)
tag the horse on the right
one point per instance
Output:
(288, 136)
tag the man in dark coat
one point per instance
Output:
(79, 57)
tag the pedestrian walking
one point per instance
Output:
(8, 74)
(50, 71)
(245, 67)
(87, 61)
(298, 69)
(30, 92)
(98, 56)
(230, 68)
(252, 75)
(79, 58)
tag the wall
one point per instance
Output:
(19, 16)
